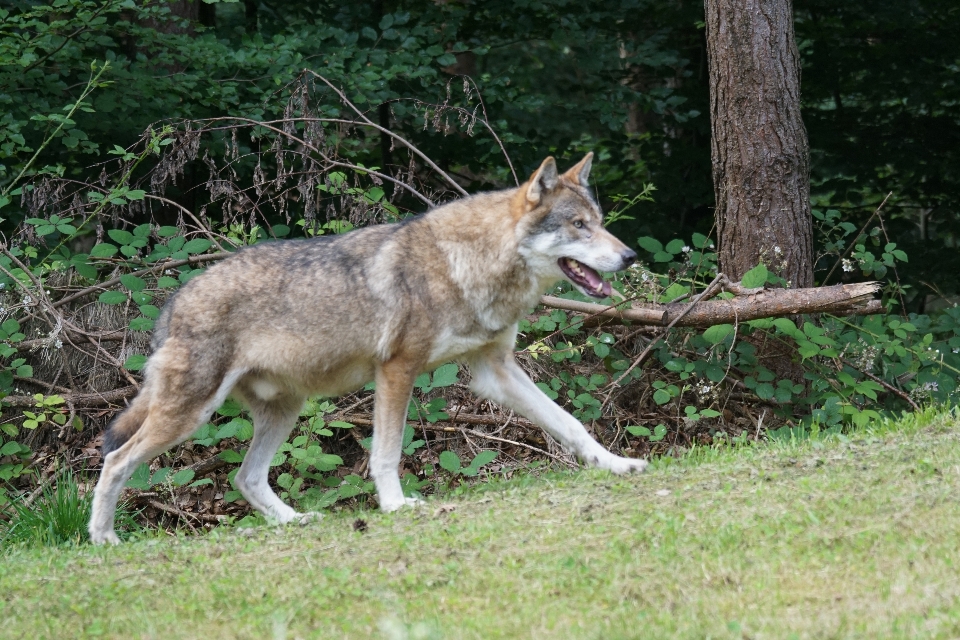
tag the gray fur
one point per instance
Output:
(281, 321)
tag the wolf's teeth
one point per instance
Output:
(599, 287)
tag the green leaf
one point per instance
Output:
(484, 457)
(662, 256)
(135, 362)
(166, 282)
(132, 282)
(141, 478)
(25, 371)
(764, 391)
(141, 324)
(807, 349)
(715, 373)
(641, 432)
(103, 250)
(120, 236)
(112, 297)
(330, 460)
(661, 396)
(756, 277)
(166, 232)
(340, 424)
(230, 456)
(150, 311)
(717, 333)
(182, 477)
(230, 408)
(450, 461)
(787, 326)
(674, 291)
(650, 244)
(10, 326)
(675, 246)
(445, 375)
(197, 245)
(349, 491)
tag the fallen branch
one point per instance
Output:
(78, 400)
(841, 299)
(469, 419)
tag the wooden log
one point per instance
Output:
(78, 400)
(841, 299)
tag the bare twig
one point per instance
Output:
(886, 385)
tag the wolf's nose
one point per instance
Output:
(629, 257)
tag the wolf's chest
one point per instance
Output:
(450, 345)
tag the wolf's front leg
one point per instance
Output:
(498, 377)
(394, 387)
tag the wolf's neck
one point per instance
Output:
(479, 238)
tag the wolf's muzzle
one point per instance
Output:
(628, 257)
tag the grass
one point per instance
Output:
(57, 516)
(842, 537)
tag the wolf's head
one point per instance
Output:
(564, 236)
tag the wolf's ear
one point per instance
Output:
(543, 179)
(580, 172)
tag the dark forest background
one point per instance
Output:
(626, 79)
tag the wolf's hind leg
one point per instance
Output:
(164, 426)
(394, 387)
(272, 422)
(498, 377)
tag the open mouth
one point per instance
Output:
(587, 280)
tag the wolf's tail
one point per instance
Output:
(127, 423)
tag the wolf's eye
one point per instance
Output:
(578, 224)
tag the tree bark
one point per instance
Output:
(761, 170)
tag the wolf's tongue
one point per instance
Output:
(586, 277)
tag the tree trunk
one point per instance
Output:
(761, 171)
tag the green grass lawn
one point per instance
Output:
(852, 537)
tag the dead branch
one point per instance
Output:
(114, 396)
(841, 299)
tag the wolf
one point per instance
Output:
(281, 321)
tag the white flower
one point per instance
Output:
(848, 265)
(777, 250)
(686, 249)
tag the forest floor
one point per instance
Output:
(837, 537)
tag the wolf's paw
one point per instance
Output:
(388, 506)
(622, 466)
(104, 537)
(304, 519)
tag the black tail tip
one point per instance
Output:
(112, 441)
